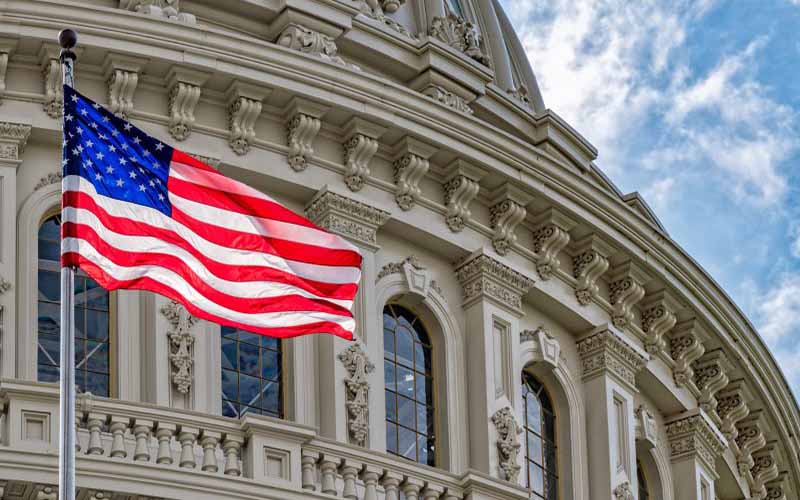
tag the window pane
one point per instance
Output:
(541, 448)
(49, 286)
(389, 376)
(405, 382)
(248, 359)
(271, 364)
(535, 448)
(96, 325)
(536, 478)
(391, 438)
(405, 412)
(229, 354)
(391, 406)
(405, 346)
(408, 443)
(251, 374)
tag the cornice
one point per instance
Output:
(484, 277)
(604, 351)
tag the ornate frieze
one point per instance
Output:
(450, 99)
(13, 137)
(764, 470)
(550, 237)
(461, 35)
(685, 347)
(50, 67)
(508, 444)
(181, 343)
(303, 121)
(693, 435)
(506, 211)
(711, 375)
(244, 108)
(483, 277)
(606, 352)
(7, 47)
(184, 93)
(626, 290)
(302, 39)
(659, 315)
(623, 491)
(358, 367)
(51, 178)
(360, 146)
(460, 188)
(548, 350)
(162, 9)
(346, 217)
(410, 166)
(645, 426)
(589, 262)
(122, 77)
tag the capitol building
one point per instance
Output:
(524, 329)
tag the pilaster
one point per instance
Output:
(610, 363)
(695, 443)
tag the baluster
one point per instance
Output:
(309, 467)
(187, 438)
(370, 476)
(327, 468)
(391, 484)
(411, 488)
(209, 443)
(141, 431)
(350, 470)
(232, 447)
(432, 492)
(117, 428)
(95, 423)
(164, 435)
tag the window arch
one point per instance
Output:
(408, 374)
(540, 439)
(644, 489)
(252, 374)
(93, 367)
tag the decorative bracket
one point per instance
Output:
(410, 166)
(732, 408)
(460, 188)
(303, 121)
(658, 317)
(13, 138)
(417, 275)
(507, 210)
(750, 438)
(590, 260)
(626, 290)
(711, 375)
(646, 430)
(244, 108)
(686, 347)
(358, 367)
(346, 217)
(122, 76)
(51, 75)
(360, 145)
(548, 350)
(623, 491)
(184, 92)
(181, 343)
(508, 443)
(550, 236)
(461, 35)
(765, 469)
(604, 351)
(484, 278)
(7, 47)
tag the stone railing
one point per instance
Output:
(137, 448)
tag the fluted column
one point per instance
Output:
(695, 443)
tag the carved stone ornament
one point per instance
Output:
(507, 210)
(460, 188)
(184, 94)
(461, 35)
(410, 166)
(444, 96)
(521, 95)
(45, 492)
(358, 366)
(623, 491)
(685, 347)
(346, 217)
(508, 443)
(51, 178)
(646, 426)
(13, 137)
(181, 343)
(377, 9)
(732, 408)
(163, 9)
(764, 470)
(244, 108)
(358, 152)
(550, 237)
(776, 490)
(484, 278)
(750, 438)
(208, 160)
(4, 55)
(53, 103)
(301, 131)
(5, 285)
(302, 39)
(122, 77)
(605, 352)
(548, 350)
(658, 318)
(397, 267)
(711, 375)
(589, 263)
(626, 290)
(693, 435)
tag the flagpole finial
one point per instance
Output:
(68, 39)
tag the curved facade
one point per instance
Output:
(525, 330)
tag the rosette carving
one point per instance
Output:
(181, 343)
(508, 443)
(358, 367)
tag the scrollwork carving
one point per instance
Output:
(605, 352)
(358, 367)
(623, 491)
(626, 290)
(459, 192)
(658, 318)
(308, 41)
(710, 375)
(181, 343)
(53, 91)
(409, 170)
(301, 131)
(588, 264)
(122, 85)
(484, 277)
(505, 214)
(242, 115)
(550, 237)
(13, 137)
(694, 435)
(685, 347)
(508, 443)
(358, 152)
(183, 98)
(461, 35)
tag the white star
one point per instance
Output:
(64, 144)
(132, 175)
(114, 133)
(159, 146)
(89, 162)
(133, 159)
(141, 170)
(64, 162)
(122, 161)
(152, 184)
(74, 98)
(146, 153)
(120, 182)
(89, 144)
(160, 197)
(103, 137)
(94, 125)
(84, 111)
(75, 152)
(80, 131)
(141, 187)
(110, 169)
(106, 119)
(128, 127)
(97, 176)
(80, 148)
(158, 181)
(96, 106)
(136, 140)
(68, 117)
(100, 156)
(124, 146)
(70, 134)
(112, 148)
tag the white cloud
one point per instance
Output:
(658, 194)
(780, 311)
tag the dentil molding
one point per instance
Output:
(606, 352)
(589, 262)
(346, 217)
(460, 188)
(358, 367)
(508, 444)
(550, 237)
(13, 138)
(181, 341)
(693, 435)
(485, 278)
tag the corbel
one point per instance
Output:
(659, 315)
(410, 166)
(184, 87)
(764, 470)
(303, 121)
(750, 439)
(778, 488)
(732, 408)
(122, 76)
(710, 376)
(550, 237)
(626, 290)
(646, 429)
(506, 211)
(360, 145)
(686, 347)
(460, 188)
(590, 260)
(244, 107)
(7, 47)
(50, 67)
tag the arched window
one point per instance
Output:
(644, 490)
(251, 374)
(540, 438)
(408, 372)
(92, 319)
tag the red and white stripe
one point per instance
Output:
(229, 253)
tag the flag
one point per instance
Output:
(138, 214)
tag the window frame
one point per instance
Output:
(554, 440)
(642, 474)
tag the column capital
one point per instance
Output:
(346, 217)
(604, 350)
(13, 137)
(692, 434)
(484, 277)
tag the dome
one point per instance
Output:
(524, 329)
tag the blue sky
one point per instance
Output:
(696, 105)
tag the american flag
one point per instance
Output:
(139, 214)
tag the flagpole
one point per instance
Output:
(66, 447)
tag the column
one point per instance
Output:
(694, 444)
(492, 304)
(610, 364)
(359, 223)
(13, 137)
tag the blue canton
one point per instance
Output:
(121, 161)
